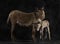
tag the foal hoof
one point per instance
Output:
(40, 37)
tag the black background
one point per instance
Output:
(52, 8)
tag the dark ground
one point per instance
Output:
(52, 8)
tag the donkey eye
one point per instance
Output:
(38, 22)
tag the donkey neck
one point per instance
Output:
(36, 15)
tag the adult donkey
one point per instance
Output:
(25, 19)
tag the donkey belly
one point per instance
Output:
(24, 24)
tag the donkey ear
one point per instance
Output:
(37, 8)
(42, 7)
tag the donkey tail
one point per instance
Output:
(8, 19)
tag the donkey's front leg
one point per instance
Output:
(33, 34)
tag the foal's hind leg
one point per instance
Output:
(45, 36)
(49, 33)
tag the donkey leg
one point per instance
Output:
(33, 34)
(42, 32)
(12, 29)
(49, 33)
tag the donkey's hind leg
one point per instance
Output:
(12, 29)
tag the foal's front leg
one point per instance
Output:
(42, 32)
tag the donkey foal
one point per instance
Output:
(41, 26)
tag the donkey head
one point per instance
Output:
(39, 13)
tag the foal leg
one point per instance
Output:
(49, 33)
(42, 32)
(45, 37)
